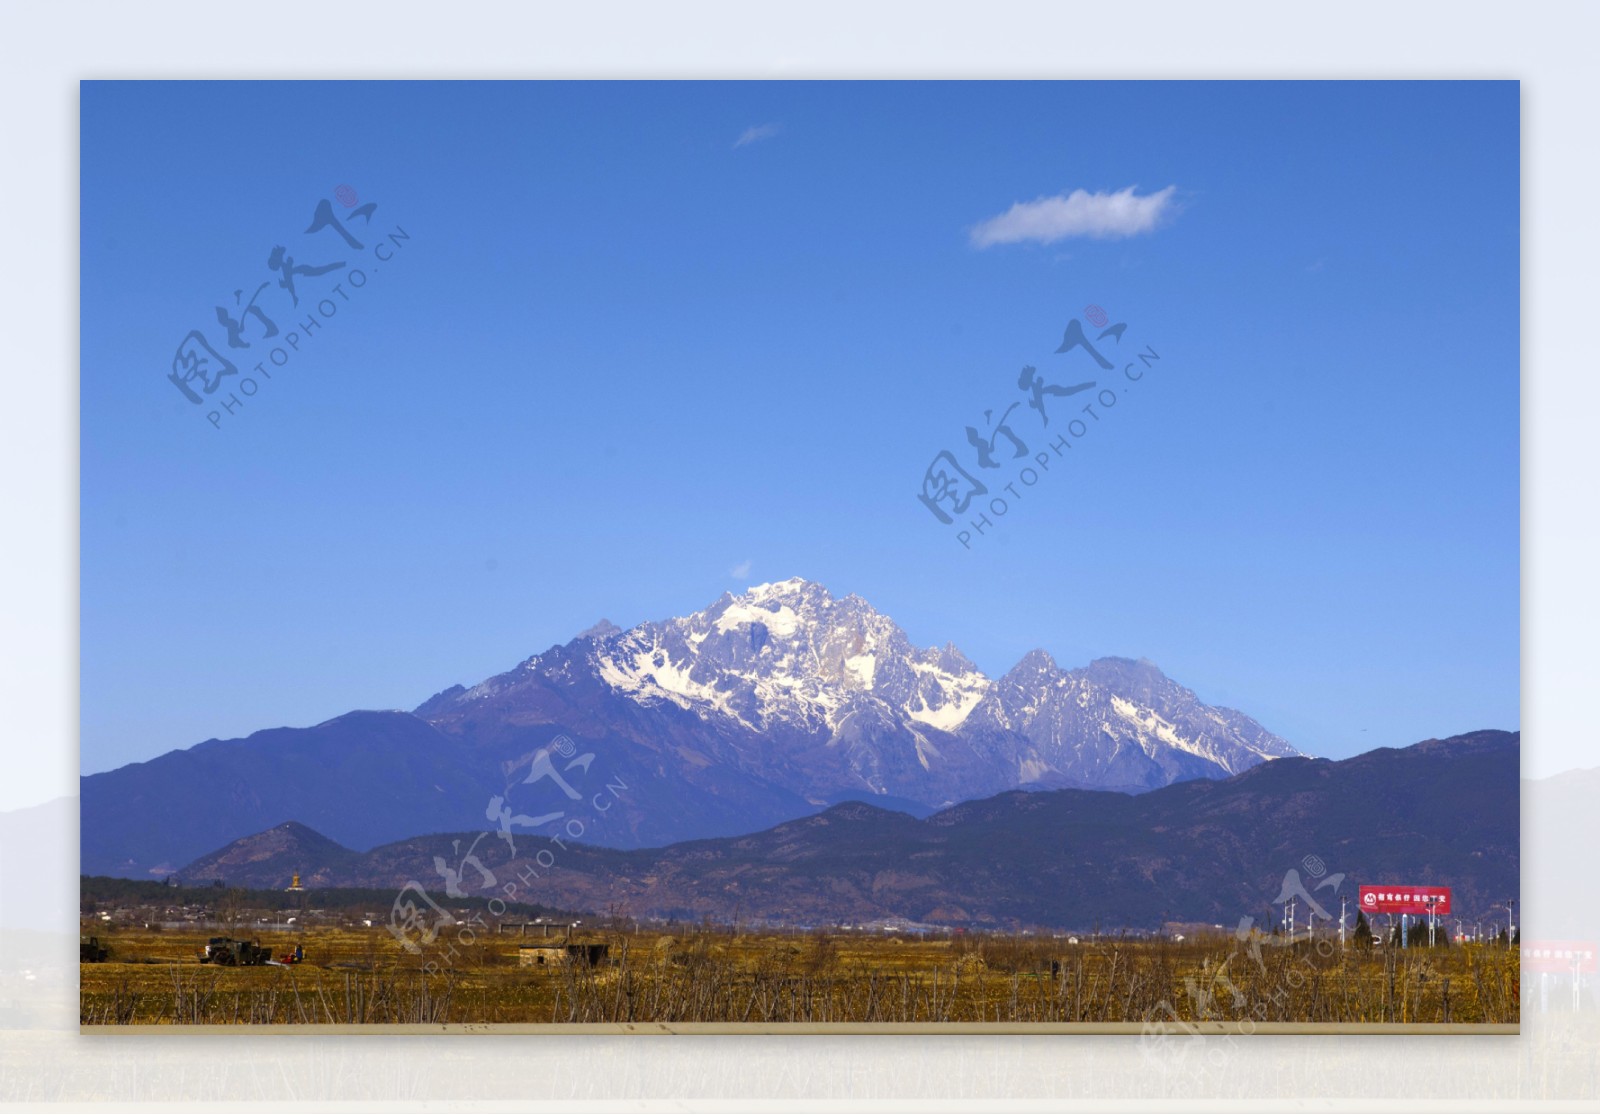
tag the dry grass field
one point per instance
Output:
(363, 976)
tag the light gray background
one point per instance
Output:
(46, 49)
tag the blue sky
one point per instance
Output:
(626, 362)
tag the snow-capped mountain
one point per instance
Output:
(763, 707)
(1117, 723)
(790, 654)
(827, 696)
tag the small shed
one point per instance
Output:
(552, 955)
(531, 955)
(592, 954)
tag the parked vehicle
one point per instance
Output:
(234, 953)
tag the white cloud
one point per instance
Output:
(742, 570)
(756, 133)
(1102, 216)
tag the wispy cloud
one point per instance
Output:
(742, 570)
(1101, 216)
(756, 134)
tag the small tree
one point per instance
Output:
(230, 908)
(1363, 932)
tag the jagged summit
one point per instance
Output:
(791, 674)
(790, 652)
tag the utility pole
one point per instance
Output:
(1511, 920)
(1342, 900)
(1289, 909)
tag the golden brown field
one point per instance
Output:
(362, 976)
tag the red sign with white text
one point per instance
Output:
(1385, 899)
(1559, 956)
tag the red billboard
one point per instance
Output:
(1559, 956)
(1382, 898)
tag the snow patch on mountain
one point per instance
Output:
(782, 620)
(943, 699)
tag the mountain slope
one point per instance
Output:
(278, 855)
(1442, 811)
(762, 707)
(361, 779)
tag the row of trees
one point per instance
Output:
(1417, 934)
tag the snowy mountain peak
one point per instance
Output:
(794, 586)
(790, 652)
(826, 696)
